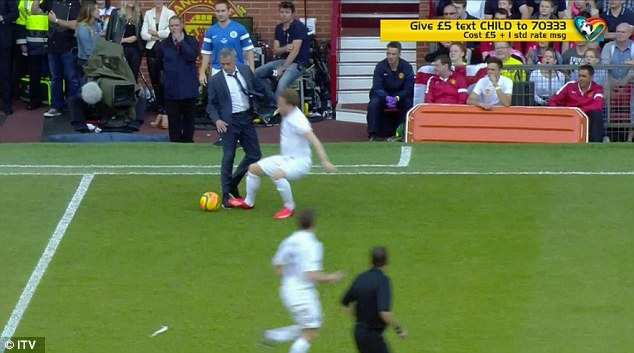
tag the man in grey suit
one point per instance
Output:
(231, 98)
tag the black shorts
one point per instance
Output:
(370, 341)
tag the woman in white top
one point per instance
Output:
(547, 81)
(155, 29)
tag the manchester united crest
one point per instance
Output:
(198, 14)
(453, 81)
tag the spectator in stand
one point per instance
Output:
(586, 95)
(591, 57)
(61, 42)
(614, 14)
(446, 87)
(105, 13)
(503, 52)
(88, 28)
(125, 28)
(579, 7)
(486, 48)
(461, 6)
(602, 4)
(546, 10)
(537, 49)
(458, 54)
(559, 5)
(574, 56)
(392, 87)
(516, 8)
(450, 12)
(619, 52)
(493, 90)
(155, 29)
(547, 81)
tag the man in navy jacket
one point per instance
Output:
(392, 88)
(178, 55)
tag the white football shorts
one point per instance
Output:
(293, 168)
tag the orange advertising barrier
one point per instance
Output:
(462, 123)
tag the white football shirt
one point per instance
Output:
(486, 91)
(301, 252)
(292, 141)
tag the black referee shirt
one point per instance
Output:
(372, 292)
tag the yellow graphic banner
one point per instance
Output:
(480, 31)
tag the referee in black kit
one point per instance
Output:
(372, 292)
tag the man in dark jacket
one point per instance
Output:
(392, 88)
(231, 101)
(8, 15)
(62, 16)
(178, 54)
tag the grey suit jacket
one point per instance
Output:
(219, 103)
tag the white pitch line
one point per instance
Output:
(385, 172)
(150, 166)
(406, 155)
(45, 260)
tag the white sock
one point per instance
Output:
(300, 346)
(284, 188)
(283, 334)
(253, 185)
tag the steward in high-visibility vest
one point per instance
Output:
(37, 33)
(24, 10)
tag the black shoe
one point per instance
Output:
(33, 106)
(235, 193)
(217, 143)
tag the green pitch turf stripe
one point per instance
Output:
(45, 260)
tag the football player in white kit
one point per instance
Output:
(299, 262)
(294, 160)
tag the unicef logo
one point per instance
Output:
(233, 34)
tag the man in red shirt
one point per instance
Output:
(446, 87)
(586, 95)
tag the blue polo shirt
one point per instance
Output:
(613, 21)
(235, 36)
(297, 30)
(619, 57)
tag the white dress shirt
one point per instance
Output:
(239, 100)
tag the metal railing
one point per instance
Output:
(542, 82)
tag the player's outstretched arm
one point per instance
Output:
(322, 277)
(321, 152)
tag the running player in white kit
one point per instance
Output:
(299, 262)
(294, 160)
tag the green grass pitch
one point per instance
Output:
(494, 248)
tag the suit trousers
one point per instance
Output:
(597, 129)
(241, 128)
(36, 66)
(181, 114)
(6, 63)
(155, 70)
